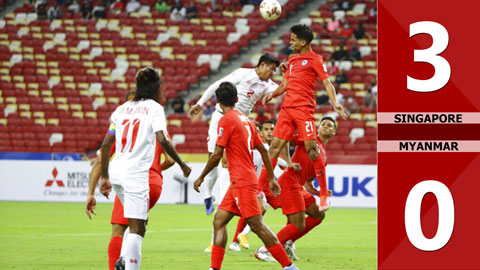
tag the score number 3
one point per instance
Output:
(446, 208)
(442, 68)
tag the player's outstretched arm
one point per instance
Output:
(232, 77)
(94, 177)
(212, 162)
(105, 186)
(330, 89)
(168, 148)
(274, 186)
(167, 163)
(279, 91)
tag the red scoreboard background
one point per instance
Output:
(427, 200)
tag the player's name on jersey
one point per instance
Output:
(428, 118)
(428, 146)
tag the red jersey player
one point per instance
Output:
(299, 104)
(238, 136)
(294, 200)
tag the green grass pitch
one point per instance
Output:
(57, 236)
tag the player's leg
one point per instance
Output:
(282, 133)
(223, 179)
(269, 239)
(133, 243)
(307, 133)
(319, 165)
(315, 217)
(222, 217)
(119, 225)
(296, 224)
(136, 204)
(247, 199)
(211, 177)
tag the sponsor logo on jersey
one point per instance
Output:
(220, 132)
(304, 62)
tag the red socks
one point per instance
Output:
(240, 226)
(114, 251)
(287, 233)
(217, 257)
(319, 166)
(310, 223)
(278, 252)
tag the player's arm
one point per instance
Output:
(167, 163)
(310, 188)
(105, 186)
(330, 89)
(232, 77)
(282, 164)
(94, 177)
(274, 186)
(279, 91)
(212, 162)
(169, 150)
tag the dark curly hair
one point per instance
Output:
(148, 83)
(302, 32)
(226, 93)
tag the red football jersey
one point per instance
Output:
(301, 156)
(303, 71)
(238, 135)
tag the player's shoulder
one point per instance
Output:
(293, 57)
(241, 71)
(150, 103)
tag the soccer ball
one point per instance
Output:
(270, 9)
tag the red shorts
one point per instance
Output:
(291, 118)
(117, 212)
(241, 201)
(272, 200)
(293, 197)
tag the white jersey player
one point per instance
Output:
(252, 85)
(134, 127)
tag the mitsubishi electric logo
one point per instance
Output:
(55, 180)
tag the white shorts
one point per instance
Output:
(212, 131)
(135, 204)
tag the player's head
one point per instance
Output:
(266, 131)
(148, 84)
(301, 37)
(130, 95)
(226, 94)
(266, 67)
(327, 127)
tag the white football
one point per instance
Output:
(270, 9)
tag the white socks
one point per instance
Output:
(210, 180)
(224, 183)
(124, 242)
(246, 231)
(133, 251)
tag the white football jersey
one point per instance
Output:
(258, 162)
(135, 124)
(249, 89)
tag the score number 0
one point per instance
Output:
(446, 209)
